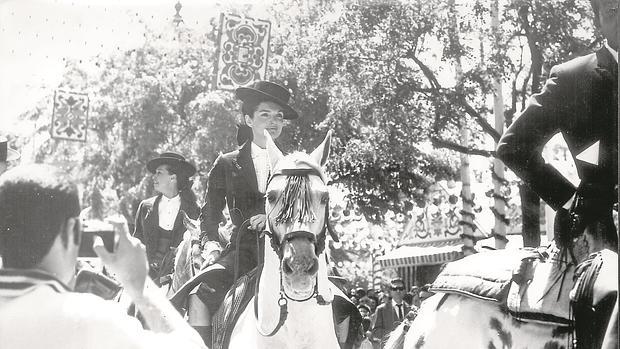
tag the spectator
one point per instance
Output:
(360, 293)
(366, 343)
(40, 235)
(415, 292)
(390, 314)
(384, 297)
(371, 293)
(373, 302)
(364, 310)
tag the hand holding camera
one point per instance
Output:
(128, 257)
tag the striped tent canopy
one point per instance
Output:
(430, 253)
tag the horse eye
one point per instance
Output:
(271, 197)
(324, 199)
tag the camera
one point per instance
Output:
(93, 227)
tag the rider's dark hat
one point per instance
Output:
(173, 159)
(268, 91)
(6, 153)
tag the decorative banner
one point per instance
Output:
(70, 116)
(243, 47)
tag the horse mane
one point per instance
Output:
(296, 190)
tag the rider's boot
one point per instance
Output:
(205, 333)
(199, 318)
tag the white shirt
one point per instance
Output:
(613, 52)
(168, 210)
(45, 317)
(402, 307)
(261, 166)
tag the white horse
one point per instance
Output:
(186, 262)
(291, 306)
(453, 320)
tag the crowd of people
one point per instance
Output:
(384, 309)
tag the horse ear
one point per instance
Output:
(321, 153)
(273, 151)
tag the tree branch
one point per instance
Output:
(440, 143)
(479, 119)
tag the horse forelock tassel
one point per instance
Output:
(297, 190)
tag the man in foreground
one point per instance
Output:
(40, 235)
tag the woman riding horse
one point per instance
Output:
(237, 180)
(159, 221)
(291, 305)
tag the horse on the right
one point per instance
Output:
(552, 298)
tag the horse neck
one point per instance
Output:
(588, 244)
(300, 314)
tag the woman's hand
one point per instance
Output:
(257, 223)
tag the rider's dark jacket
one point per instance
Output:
(232, 182)
(580, 100)
(147, 230)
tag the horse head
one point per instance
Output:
(297, 206)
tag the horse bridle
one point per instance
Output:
(277, 245)
(317, 240)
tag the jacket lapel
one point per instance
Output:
(178, 222)
(391, 314)
(152, 217)
(151, 222)
(247, 165)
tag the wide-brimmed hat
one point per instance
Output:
(268, 91)
(6, 153)
(173, 159)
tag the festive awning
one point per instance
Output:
(431, 253)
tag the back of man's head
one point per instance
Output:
(35, 203)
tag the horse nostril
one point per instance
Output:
(313, 268)
(286, 267)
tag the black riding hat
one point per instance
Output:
(268, 91)
(173, 159)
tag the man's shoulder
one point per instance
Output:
(578, 65)
(230, 155)
(90, 308)
(384, 306)
(148, 202)
(227, 158)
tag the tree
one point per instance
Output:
(348, 74)
(143, 101)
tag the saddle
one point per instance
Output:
(532, 285)
(235, 301)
